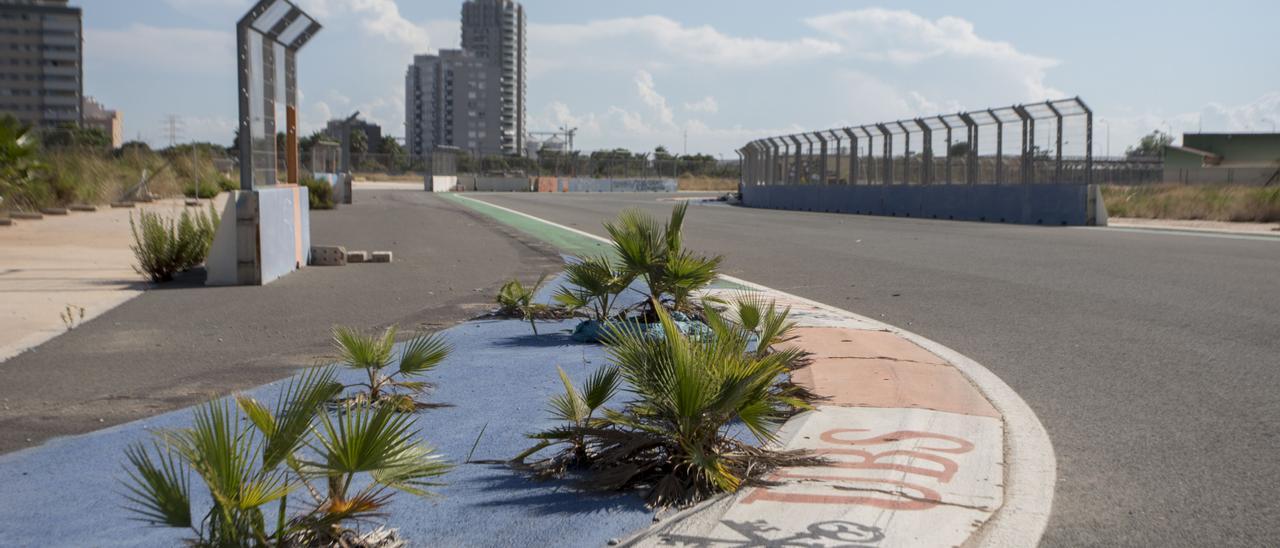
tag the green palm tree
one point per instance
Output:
(517, 299)
(656, 253)
(674, 434)
(249, 464)
(373, 355)
(593, 283)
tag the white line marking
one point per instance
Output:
(1031, 466)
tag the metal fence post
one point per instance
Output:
(836, 136)
(795, 167)
(888, 153)
(853, 155)
(1088, 141)
(1057, 162)
(822, 157)
(999, 146)
(947, 166)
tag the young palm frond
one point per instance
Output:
(594, 283)
(160, 488)
(379, 442)
(373, 355)
(516, 299)
(656, 254)
(285, 429)
(754, 313)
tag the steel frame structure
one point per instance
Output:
(268, 38)
(782, 159)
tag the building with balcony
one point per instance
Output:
(41, 62)
(471, 98)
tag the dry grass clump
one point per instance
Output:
(702, 182)
(1194, 202)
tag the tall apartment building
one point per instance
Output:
(495, 30)
(41, 62)
(472, 98)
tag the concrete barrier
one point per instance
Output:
(341, 185)
(264, 234)
(502, 184)
(1043, 204)
(584, 184)
(440, 183)
(547, 184)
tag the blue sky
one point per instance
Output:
(641, 74)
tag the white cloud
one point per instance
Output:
(184, 51)
(701, 44)
(901, 37)
(1262, 114)
(707, 104)
(380, 18)
(650, 96)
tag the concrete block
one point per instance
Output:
(122, 205)
(192, 202)
(82, 207)
(26, 215)
(357, 256)
(54, 211)
(6, 221)
(328, 255)
(380, 257)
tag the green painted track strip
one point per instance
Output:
(563, 239)
(568, 242)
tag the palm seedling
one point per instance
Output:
(247, 466)
(577, 409)
(373, 354)
(517, 299)
(656, 254)
(594, 283)
(675, 433)
(751, 312)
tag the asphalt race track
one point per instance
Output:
(1153, 359)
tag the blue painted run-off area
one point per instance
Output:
(66, 492)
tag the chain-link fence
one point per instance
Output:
(1049, 142)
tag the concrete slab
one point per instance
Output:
(328, 255)
(357, 256)
(830, 342)
(83, 207)
(897, 478)
(380, 257)
(79, 261)
(54, 211)
(890, 383)
(26, 215)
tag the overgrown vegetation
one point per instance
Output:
(372, 354)
(675, 436)
(319, 193)
(164, 247)
(349, 466)
(517, 300)
(1194, 202)
(65, 166)
(594, 284)
(655, 253)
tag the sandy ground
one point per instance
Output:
(81, 260)
(1206, 226)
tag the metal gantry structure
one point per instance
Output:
(792, 159)
(268, 38)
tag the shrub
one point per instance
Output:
(372, 354)
(164, 247)
(203, 190)
(656, 254)
(247, 465)
(319, 193)
(516, 300)
(593, 283)
(673, 437)
(228, 184)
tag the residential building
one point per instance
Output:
(495, 30)
(452, 99)
(372, 132)
(111, 122)
(41, 62)
(471, 98)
